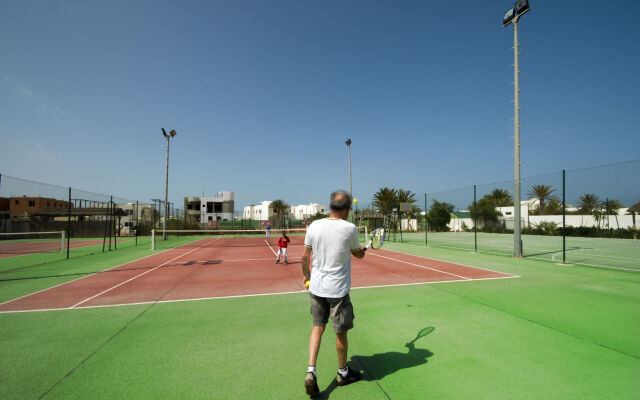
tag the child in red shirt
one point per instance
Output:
(283, 241)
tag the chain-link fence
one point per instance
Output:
(41, 223)
(586, 216)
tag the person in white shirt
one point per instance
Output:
(332, 241)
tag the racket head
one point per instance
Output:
(377, 237)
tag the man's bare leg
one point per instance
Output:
(314, 344)
(342, 345)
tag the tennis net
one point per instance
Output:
(227, 238)
(16, 244)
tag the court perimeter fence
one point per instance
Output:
(34, 216)
(585, 216)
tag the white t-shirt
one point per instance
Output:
(331, 241)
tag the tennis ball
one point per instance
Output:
(307, 284)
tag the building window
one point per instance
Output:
(210, 218)
(17, 202)
(32, 203)
(508, 212)
(48, 204)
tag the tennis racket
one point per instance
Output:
(376, 239)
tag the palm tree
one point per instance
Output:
(587, 203)
(633, 210)
(542, 193)
(279, 207)
(611, 207)
(501, 198)
(385, 199)
(405, 196)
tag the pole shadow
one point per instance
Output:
(379, 365)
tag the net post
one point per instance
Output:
(62, 241)
(153, 239)
(366, 234)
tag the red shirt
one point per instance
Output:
(283, 241)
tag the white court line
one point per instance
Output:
(86, 276)
(421, 266)
(464, 265)
(274, 253)
(139, 275)
(254, 295)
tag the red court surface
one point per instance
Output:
(9, 249)
(203, 271)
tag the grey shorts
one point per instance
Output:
(340, 310)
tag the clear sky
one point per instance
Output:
(263, 94)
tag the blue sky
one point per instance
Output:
(264, 94)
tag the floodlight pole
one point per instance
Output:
(348, 143)
(517, 241)
(166, 184)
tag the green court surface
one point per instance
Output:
(623, 254)
(557, 332)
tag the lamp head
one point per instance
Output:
(173, 133)
(522, 6)
(348, 142)
(508, 17)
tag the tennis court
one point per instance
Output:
(620, 254)
(201, 318)
(207, 268)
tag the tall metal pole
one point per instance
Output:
(348, 143)
(517, 241)
(166, 194)
(564, 216)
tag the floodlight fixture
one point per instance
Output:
(508, 17)
(522, 6)
(173, 133)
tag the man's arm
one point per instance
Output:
(359, 253)
(354, 242)
(306, 262)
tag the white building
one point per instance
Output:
(210, 209)
(259, 212)
(264, 211)
(305, 211)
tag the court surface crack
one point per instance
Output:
(115, 335)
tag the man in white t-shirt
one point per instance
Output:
(332, 241)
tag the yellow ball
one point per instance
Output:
(307, 284)
(355, 201)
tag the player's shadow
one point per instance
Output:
(379, 365)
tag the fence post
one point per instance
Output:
(68, 223)
(475, 219)
(400, 222)
(564, 214)
(104, 218)
(426, 222)
(136, 221)
(110, 219)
